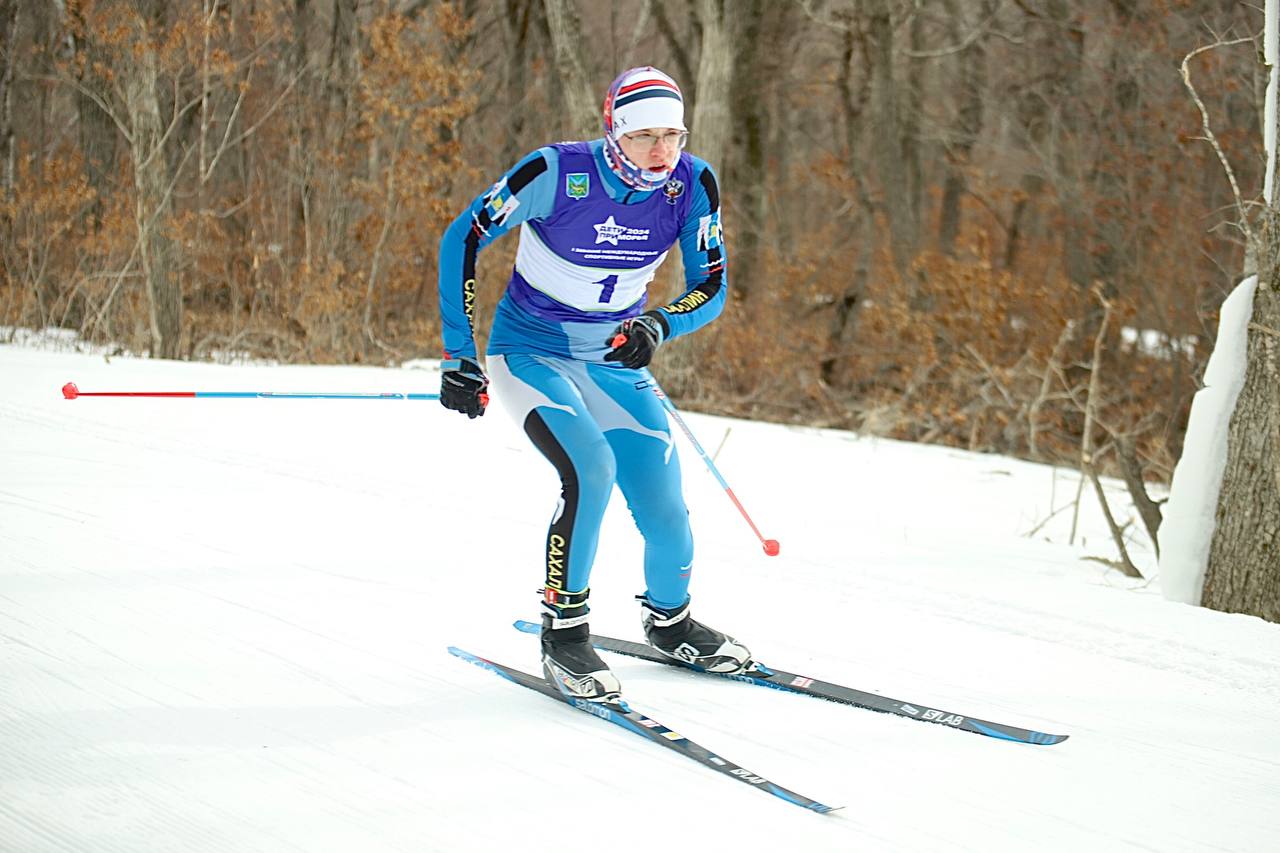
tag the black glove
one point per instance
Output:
(635, 340)
(462, 387)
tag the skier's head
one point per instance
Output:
(643, 127)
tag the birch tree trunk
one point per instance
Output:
(152, 192)
(575, 77)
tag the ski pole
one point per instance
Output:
(771, 546)
(71, 392)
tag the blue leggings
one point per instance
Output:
(599, 426)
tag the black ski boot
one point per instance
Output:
(677, 635)
(568, 660)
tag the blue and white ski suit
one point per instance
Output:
(589, 246)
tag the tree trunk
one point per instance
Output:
(98, 135)
(335, 209)
(710, 126)
(747, 171)
(889, 148)
(571, 64)
(152, 203)
(517, 20)
(1243, 575)
(848, 304)
(676, 44)
(1060, 50)
(301, 142)
(9, 33)
(972, 88)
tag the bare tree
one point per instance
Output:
(972, 84)
(571, 64)
(97, 128)
(153, 179)
(894, 144)
(301, 160)
(760, 66)
(520, 21)
(9, 34)
(715, 68)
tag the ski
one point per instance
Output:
(791, 682)
(621, 714)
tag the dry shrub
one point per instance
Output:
(980, 358)
(44, 214)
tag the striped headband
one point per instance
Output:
(642, 98)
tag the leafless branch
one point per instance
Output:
(225, 144)
(1208, 130)
(1054, 366)
(965, 43)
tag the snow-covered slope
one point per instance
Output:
(223, 626)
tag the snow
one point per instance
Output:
(223, 626)
(1154, 343)
(1186, 531)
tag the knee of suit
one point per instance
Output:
(664, 522)
(595, 470)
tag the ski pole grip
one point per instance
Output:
(618, 340)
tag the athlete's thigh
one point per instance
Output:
(524, 383)
(634, 422)
(624, 399)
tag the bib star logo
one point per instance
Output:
(608, 231)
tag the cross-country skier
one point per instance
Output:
(570, 344)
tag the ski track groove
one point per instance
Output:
(170, 809)
(37, 828)
(1246, 673)
(102, 694)
(260, 464)
(303, 772)
(46, 507)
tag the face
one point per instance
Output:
(655, 148)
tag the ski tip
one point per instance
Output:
(527, 627)
(820, 808)
(1016, 735)
(470, 658)
(799, 800)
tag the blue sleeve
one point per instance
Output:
(702, 247)
(526, 191)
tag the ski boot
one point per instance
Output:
(568, 660)
(677, 635)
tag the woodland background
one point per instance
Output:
(988, 223)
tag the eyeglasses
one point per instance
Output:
(646, 141)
